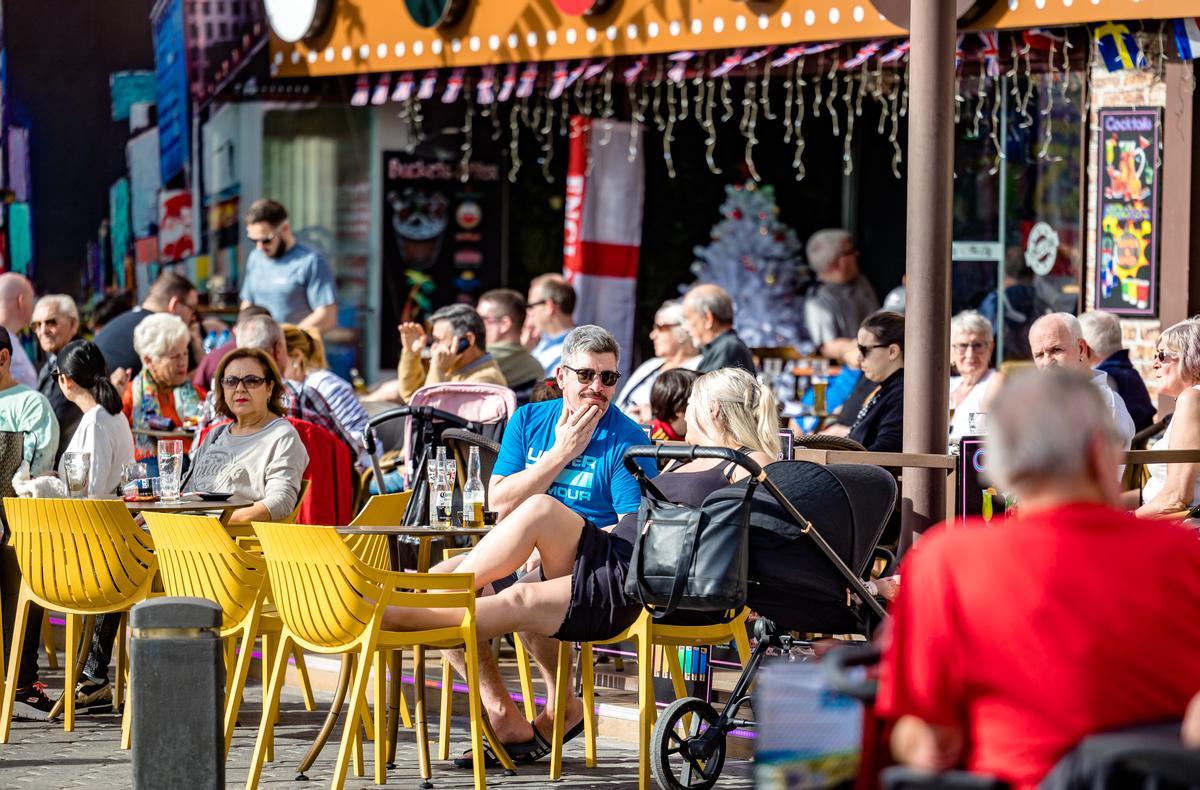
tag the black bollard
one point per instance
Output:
(177, 680)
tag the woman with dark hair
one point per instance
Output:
(82, 375)
(879, 425)
(668, 404)
(259, 456)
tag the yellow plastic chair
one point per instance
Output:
(383, 510)
(79, 557)
(331, 602)
(647, 634)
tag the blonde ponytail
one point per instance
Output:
(748, 411)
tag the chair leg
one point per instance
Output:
(358, 693)
(397, 706)
(268, 655)
(71, 673)
(587, 671)
(235, 685)
(647, 709)
(419, 709)
(529, 702)
(447, 709)
(121, 654)
(339, 697)
(360, 766)
(381, 728)
(305, 685)
(85, 644)
(14, 665)
(561, 689)
(477, 713)
(48, 641)
(127, 723)
(271, 689)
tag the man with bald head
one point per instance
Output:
(708, 318)
(1056, 341)
(16, 311)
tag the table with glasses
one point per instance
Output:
(191, 504)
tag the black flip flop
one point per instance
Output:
(522, 753)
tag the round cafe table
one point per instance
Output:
(191, 504)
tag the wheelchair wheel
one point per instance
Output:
(687, 750)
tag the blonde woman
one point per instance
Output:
(1176, 487)
(307, 366)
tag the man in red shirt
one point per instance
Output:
(1009, 644)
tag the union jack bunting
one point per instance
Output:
(896, 53)
(868, 51)
(404, 87)
(485, 90)
(558, 79)
(508, 83)
(731, 62)
(362, 92)
(528, 80)
(382, 89)
(991, 52)
(428, 86)
(453, 86)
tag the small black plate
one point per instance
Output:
(213, 496)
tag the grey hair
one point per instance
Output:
(1068, 320)
(971, 322)
(1028, 437)
(65, 304)
(824, 247)
(1102, 331)
(709, 298)
(590, 339)
(259, 331)
(1184, 339)
(672, 310)
(157, 333)
(462, 319)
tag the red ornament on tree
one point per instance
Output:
(737, 214)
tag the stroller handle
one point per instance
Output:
(427, 412)
(689, 452)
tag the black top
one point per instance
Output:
(116, 341)
(854, 401)
(67, 413)
(726, 351)
(880, 423)
(683, 488)
(1130, 387)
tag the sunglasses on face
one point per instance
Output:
(49, 323)
(264, 240)
(963, 348)
(586, 375)
(538, 303)
(864, 350)
(231, 383)
(1165, 356)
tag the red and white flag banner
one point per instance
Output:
(603, 231)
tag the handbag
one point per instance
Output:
(690, 558)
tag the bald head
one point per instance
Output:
(707, 312)
(16, 302)
(1056, 340)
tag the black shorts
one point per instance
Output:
(598, 609)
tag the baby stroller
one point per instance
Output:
(480, 408)
(806, 574)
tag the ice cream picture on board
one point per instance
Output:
(1127, 211)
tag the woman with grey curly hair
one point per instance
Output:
(1174, 487)
(160, 397)
(971, 347)
(673, 348)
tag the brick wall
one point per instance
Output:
(1120, 89)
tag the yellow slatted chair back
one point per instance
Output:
(92, 556)
(197, 558)
(329, 599)
(381, 510)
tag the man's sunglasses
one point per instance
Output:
(265, 239)
(586, 375)
(231, 383)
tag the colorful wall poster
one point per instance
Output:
(175, 241)
(118, 219)
(171, 94)
(1127, 211)
(144, 181)
(129, 88)
(20, 237)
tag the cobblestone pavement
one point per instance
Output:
(40, 755)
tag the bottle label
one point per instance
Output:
(445, 504)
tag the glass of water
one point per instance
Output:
(77, 466)
(170, 467)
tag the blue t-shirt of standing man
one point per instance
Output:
(290, 286)
(596, 484)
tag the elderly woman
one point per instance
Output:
(160, 397)
(971, 347)
(673, 348)
(1174, 487)
(578, 593)
(307, 365)
(259, 456)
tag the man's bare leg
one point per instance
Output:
(544, 650)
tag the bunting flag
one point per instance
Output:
(789, 56)
(453, 86)
(1041, 39)
(731, 62)
(528, 81)
(508, 83)
(896, 53)
(485, 90)
(958, 50)
(1187, 37)
(382, 89)
(428, 85)
(404, 87)
(593, 70)
(991, 52)
(602, 228)
(679, 61)
(868, 51)
(577, 72)
(754, 57)
(1119, 47)
(362, 92)
(558, 79)
(633, 71)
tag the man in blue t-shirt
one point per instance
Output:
(291, 280)
(572, 448)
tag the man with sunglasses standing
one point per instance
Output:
(56, 323)
(288, 278)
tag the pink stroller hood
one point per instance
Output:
(481, 403)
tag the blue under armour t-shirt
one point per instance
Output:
(290, 286)
(596, 484)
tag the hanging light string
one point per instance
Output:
(749, 123)
(798, 123)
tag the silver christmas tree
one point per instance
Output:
(756, 259)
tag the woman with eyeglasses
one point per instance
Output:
(971, 346)
(1172, 488)
(103, 432)
(160, 397)
(879, 424)
(258, 456)
(673, 348)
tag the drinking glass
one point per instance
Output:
(772, 366)
(987, 505)
(170, 467)
(132, 472)
(77, 466)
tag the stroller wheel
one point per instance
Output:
(687, 751)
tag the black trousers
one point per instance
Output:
(10, 590)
